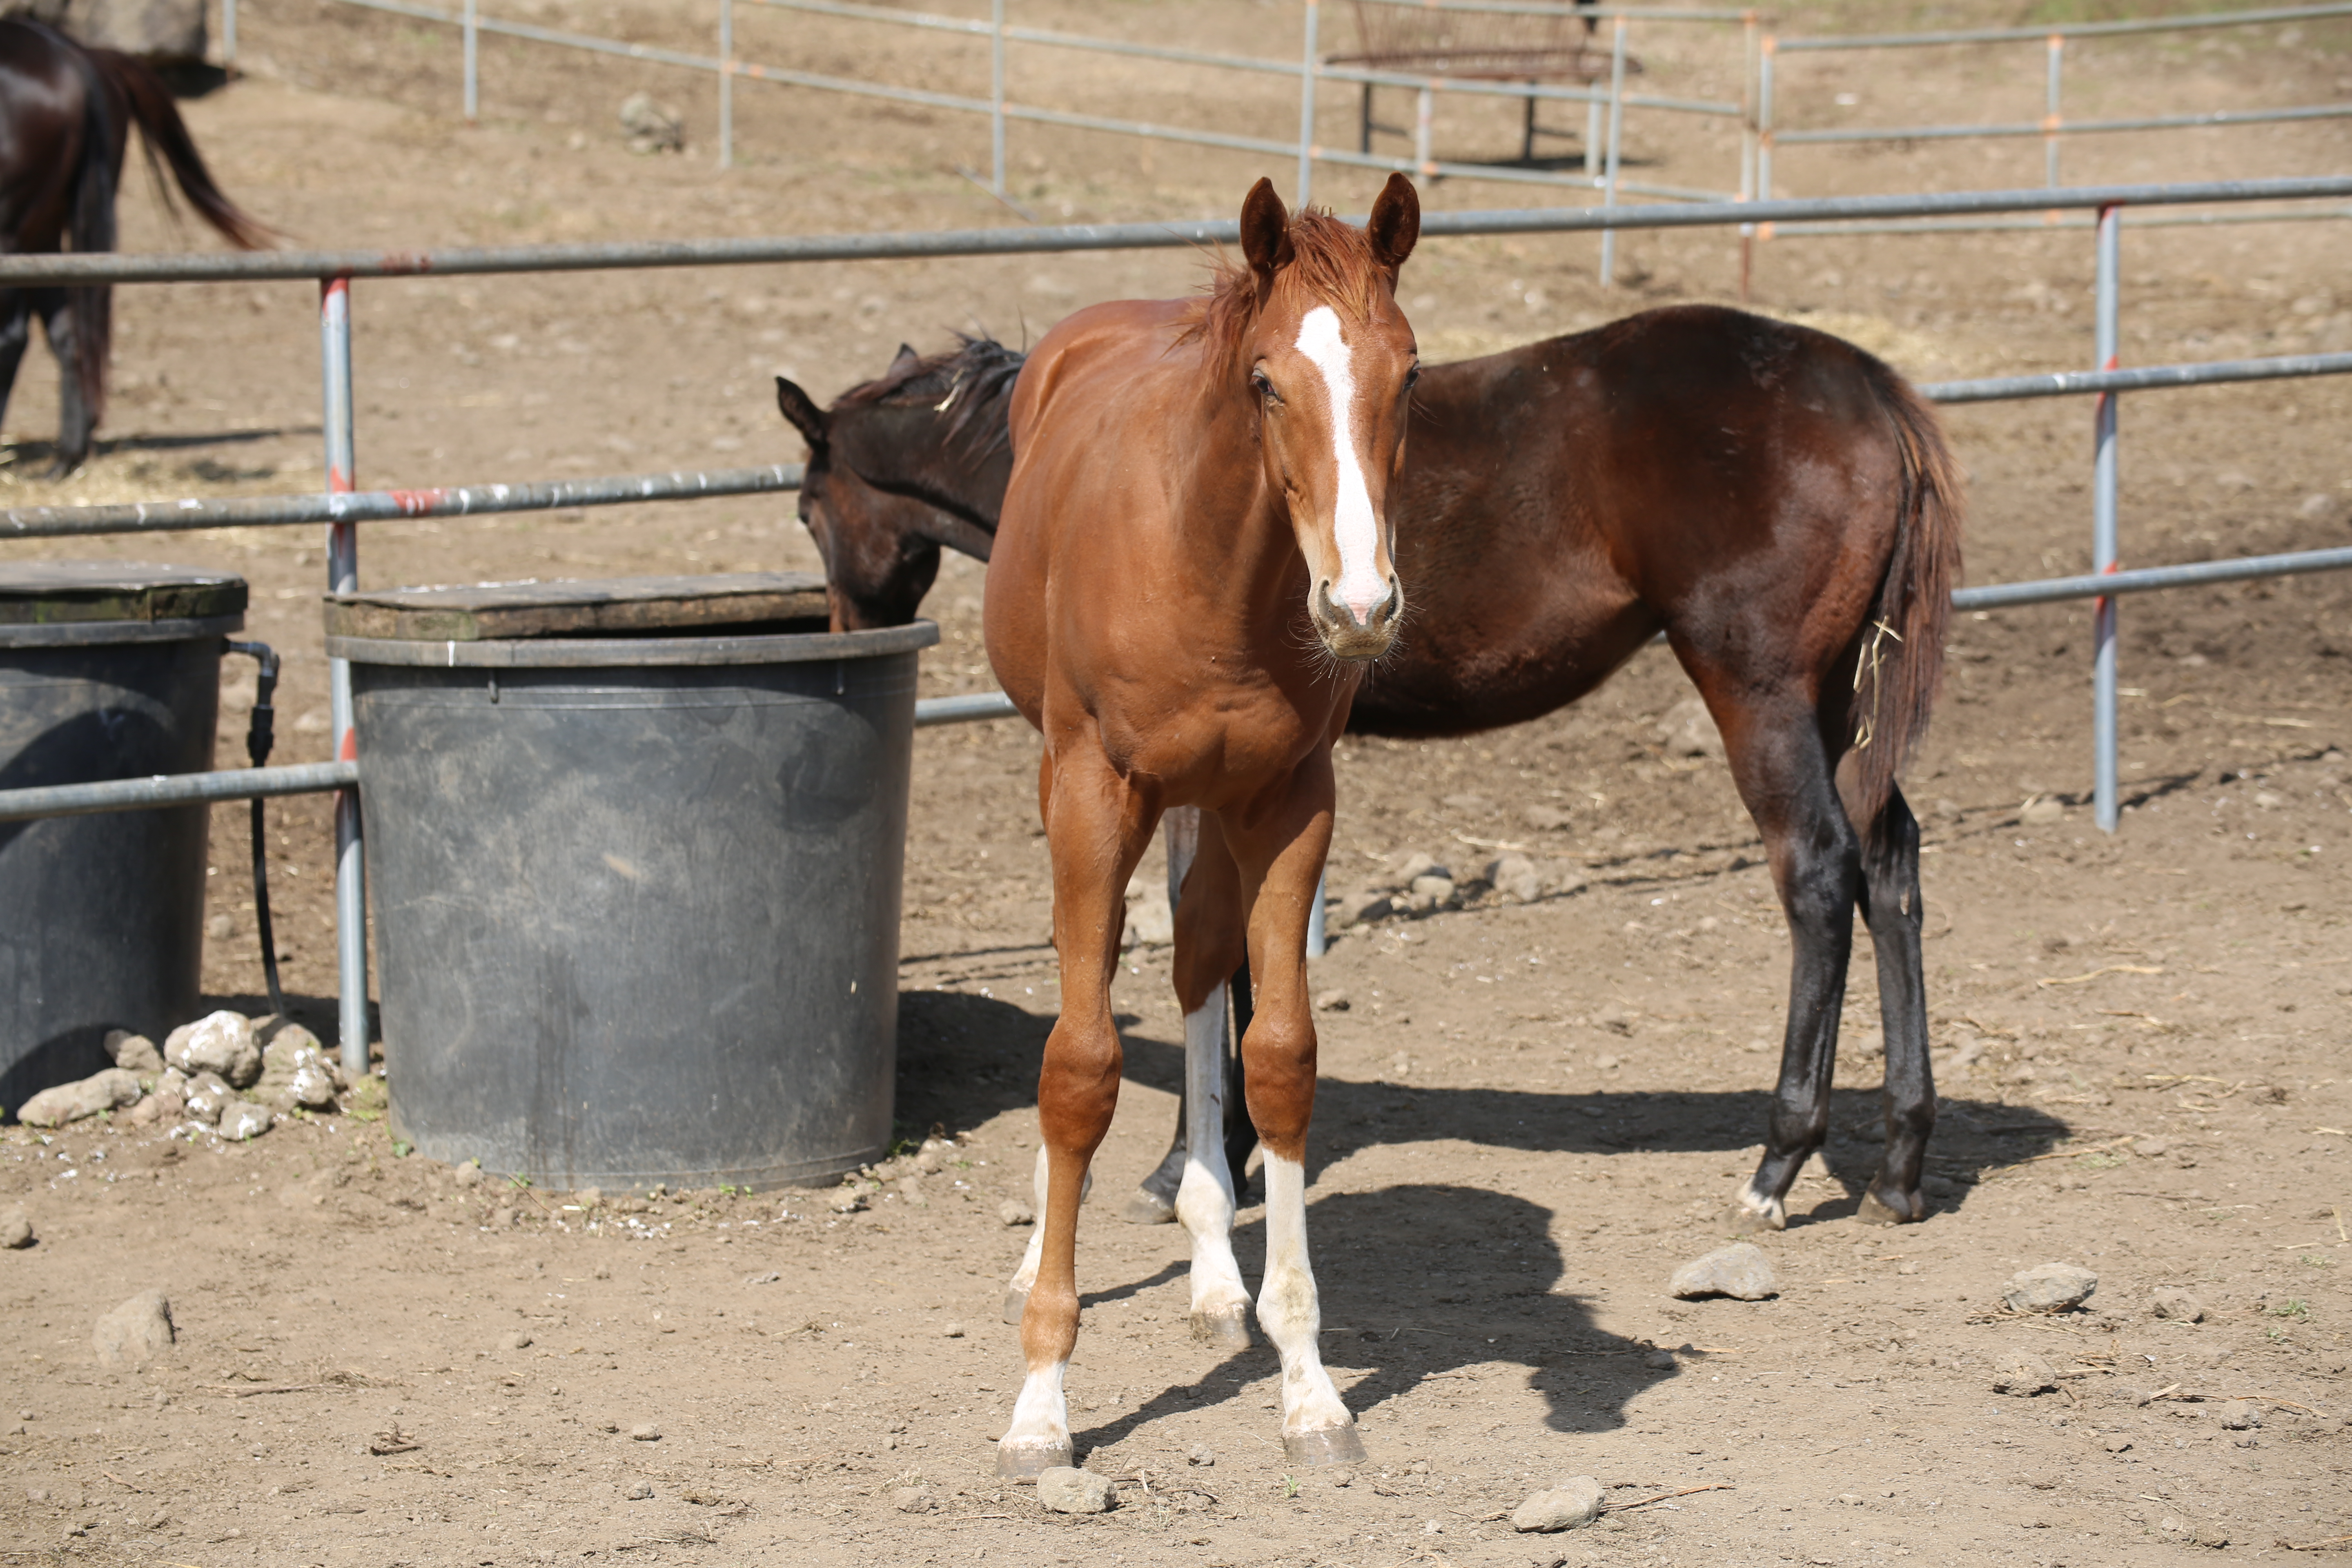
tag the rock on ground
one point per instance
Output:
(135, 1332)
(1064, 1490)
(2023, 1375)
(219, 1043)
(16, 1227)
(2177, 1304)
(209, 1095)
(133, 1053)
(911, 1499)
(2049, 1288)
(2241, 1414)
(1688, 731)
(1012, 1211)
(102, 1090)
(241, 1119)
(1514, 877)
(1740, 1270)
(652, 127)
(1567, 1504)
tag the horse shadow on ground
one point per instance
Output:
(963, 1059)
(1419, 1282)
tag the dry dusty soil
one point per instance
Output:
(1530, 1113)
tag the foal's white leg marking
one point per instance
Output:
(1354, 528)
(1024, 1278)
(1205, 1201)
(1315, 1426)
(1039, 1437)
(1767, 1211)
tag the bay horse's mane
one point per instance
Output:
(974, 376)
(1327, 261)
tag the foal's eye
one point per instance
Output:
(1411, 378)
(1263, 387)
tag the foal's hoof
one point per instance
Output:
(1228, 1330)
(1145, 1206)
(1015, 1303)
(1906, 1209)
(1745, 1221)
(1333, 1446)
(1027, 1461)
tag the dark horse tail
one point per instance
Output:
(1899, 655)
(166, 134)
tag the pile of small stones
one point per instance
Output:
(225, 1073)
(1422, 885)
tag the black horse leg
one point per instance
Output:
(76, 418)
(1817, 862)
(1891, 905)
(15, 331)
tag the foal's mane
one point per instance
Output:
(1330, 263)
(961, 384)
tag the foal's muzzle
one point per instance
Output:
(1351, 636)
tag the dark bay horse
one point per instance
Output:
(1780, 503)
(66, 113)
(1191, 571)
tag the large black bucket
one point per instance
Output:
(636, 896)
(107, 670)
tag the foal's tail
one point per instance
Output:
(1899, 655)
(166, 134)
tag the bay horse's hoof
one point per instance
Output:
(1228, 1331)
(1333, 1445)
(1145, 1206)
(1027, 1461)
(1876, 1211)
(1015, 1303)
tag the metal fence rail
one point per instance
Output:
(343, 506)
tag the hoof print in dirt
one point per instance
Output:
(1740, 1271)
(1065, 1489)
(2049, 1288)
(2023, 1375)
(1569, 1504)
(136, 1332)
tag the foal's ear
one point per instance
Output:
(1265, 229)
(1395, 223)
(801, 408)
(905, 359)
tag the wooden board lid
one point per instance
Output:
(137, 592)
(618, 606)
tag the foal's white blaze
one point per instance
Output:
(1355, 528)
(1204, 1203)
(1288, 1308)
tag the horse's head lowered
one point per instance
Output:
(1312, 328)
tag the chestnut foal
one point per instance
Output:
(1191, 569)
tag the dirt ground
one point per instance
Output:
(1529, 1113)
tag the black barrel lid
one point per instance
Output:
(617, 607)
(81, 592)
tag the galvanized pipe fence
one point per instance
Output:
(342, 507)
(1603, 136)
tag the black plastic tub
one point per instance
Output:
(636, 896)
(107, 670)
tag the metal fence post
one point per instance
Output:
(473, 63)
(726, 84)
(2102, 531)
(1425, 127)
(1616, 139)
(343, 576)
(1309, 65)
(1750, 64)
(2052, 118)
(1764, 57)
(228, 36)
(996, 91)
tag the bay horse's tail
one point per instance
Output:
(90, 227)
(165, 133)
(1899, 655)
